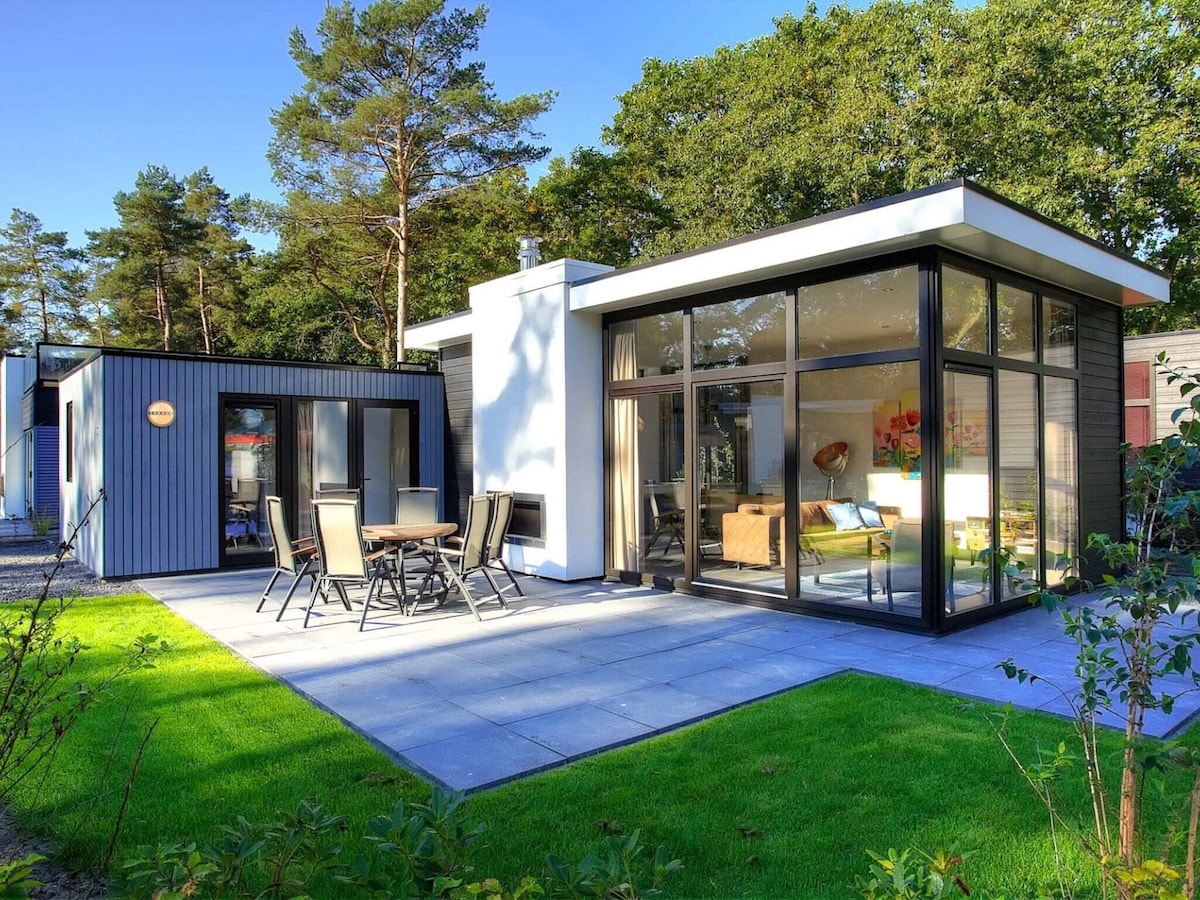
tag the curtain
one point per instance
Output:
(626, 487)
(304, 467)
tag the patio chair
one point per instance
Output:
(417, 506)
(293, 558)
(344, 561)
(502, 511)
(471, 557)
(666, 518)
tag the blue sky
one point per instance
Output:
(92, 91)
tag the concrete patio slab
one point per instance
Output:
(573, 669)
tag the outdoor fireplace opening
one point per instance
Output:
(528, 520)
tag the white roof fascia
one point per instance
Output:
(438, 333)
(957, 217)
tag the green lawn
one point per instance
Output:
(778, 799)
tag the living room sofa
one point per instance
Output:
(751, 535)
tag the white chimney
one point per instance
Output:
(529, 254)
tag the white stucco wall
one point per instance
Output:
(537, 402)
(12, 443)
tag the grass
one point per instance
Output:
(779, 799)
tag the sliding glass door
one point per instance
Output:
(649, 498)
(250, 472)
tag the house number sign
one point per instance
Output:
(160, 413)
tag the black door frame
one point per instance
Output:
(285, 468)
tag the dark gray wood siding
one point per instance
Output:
(162, 509)
(1100, 422)
(460, 478)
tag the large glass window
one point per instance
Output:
(965, 308)
(1018, 449)
(1061, 468)
(251, 474)
(652, 345)
(322, 453)
(1015, 323)
(649, 495)
(860, 509)
(741, 332)
(1058, 333)
(739, 452)
(967, 490)
(862, 314)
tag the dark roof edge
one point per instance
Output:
(872, 205)
(252, 360)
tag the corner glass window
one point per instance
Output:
(741, 332)
(1015, 323)
(1058, 334)
(863, 314)
(645, 347)
(964, 311)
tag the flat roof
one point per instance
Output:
(957, 215)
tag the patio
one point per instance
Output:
(574, 669)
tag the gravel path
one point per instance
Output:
(24, 564)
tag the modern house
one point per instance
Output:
(187, 448)
(838, 416)
(29, 476)
(1150, 402)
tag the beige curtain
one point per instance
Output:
(626, 489)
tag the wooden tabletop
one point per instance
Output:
(402, 533)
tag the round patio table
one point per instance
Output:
(396, 533)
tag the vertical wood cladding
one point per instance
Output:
(459, 455)
(163, 495)
(1100, 421)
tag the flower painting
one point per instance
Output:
(965, 434)
(897, 437)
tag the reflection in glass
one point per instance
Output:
(652, 345)
(322, 454)
(859, 315)
(967, 492)
(250, 475)
(862, 548)
(964, 311)
(1061, 468)
(739, 451)
(1018, 443)
(741, 332)
(1015, 323)
(1058, 333)
(387, 461)
(649, 498)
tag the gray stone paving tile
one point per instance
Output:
(605, 650)
(842, 653)
(481, 758)
(580, 730)
(449, 675)
(671, 664)
(661, 706)
(732, 686)
(535, 698)
(915, 669)
(415, 726)
(770, 637)
(996, 638)
(788, 667)
(958, 653)
(525, 661)
(993, 686)
(882, 639)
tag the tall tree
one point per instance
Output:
(391, 118)
(144, 256)
(216, 261)
(42, 281)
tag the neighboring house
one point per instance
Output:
(29, 432)
(188, 448)
(834, 416)
(1150, 401)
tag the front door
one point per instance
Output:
(250, 472)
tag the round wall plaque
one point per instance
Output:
(160, 413)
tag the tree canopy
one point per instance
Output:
(43, 283)
(391, 118)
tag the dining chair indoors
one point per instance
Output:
(296, 559)
(344, 561)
